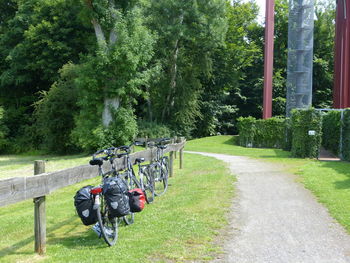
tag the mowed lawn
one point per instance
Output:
(181, 226)
(328, 181)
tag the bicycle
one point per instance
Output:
(108, 225)
(144, 181)
(160, 168)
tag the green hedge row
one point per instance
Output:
(290, 134)
(267, 133)
(303, 144)
(346, 135)
(331, 131)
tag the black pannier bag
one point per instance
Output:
(83, 201)
(115, 191)
(137, 200)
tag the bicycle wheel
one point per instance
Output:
(130, 218)
(148, 185)
(108, 226)
(159, 173)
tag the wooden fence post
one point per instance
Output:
(171, 161)
(175, 141)
(181, 153)
(39, 214)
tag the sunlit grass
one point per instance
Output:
(179, 226)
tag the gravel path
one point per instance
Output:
(275, 219)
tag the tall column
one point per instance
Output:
(341, 91)
(268, 60)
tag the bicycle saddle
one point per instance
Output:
(139, 160)
(96, 161)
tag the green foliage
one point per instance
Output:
(269, 133)
(246, 130)
(331, 124)
(121, 131)
(153, 130)
(346, 135)
(287, 146)
(55, 112)
(118, 71)
(3, 131)
(36, 39)
(188, 34)
(304, 145)
(90, 134)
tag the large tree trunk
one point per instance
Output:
(109, 103)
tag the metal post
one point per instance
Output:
(341, 90)
(341, 135)
(39, 214)
(268, 60)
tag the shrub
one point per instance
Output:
(246, 130)
(3, 131)
(346, 135)
(122, 130)
(270, 133)
(261, 133)
(287, 145)
(304, 145)
(54, 113)
(331, 124)
(153, 130)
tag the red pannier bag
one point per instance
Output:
(137, 200)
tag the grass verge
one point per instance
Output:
(178, 227)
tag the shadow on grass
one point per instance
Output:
(342, 168)
(90, 238)
(233, 140)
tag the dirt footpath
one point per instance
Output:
(275, 219)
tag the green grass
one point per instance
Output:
(226, 144)
(178, 227)
(328, 181)
(23, 165)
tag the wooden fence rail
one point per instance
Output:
(18, 189)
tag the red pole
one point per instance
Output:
(268, 61)
(341, 90)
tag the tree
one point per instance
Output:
(35, 42)
(111, 79)
(189, 32)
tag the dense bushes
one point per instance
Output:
(346, 135)
(331, 125)
(3, 131)
(153, 130)
(55, 111)
(261, 133)
(283, 133)
(302, 121)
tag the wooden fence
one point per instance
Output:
(17, 189)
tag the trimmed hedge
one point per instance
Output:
(246, 130)
(267, 133)
(304, 145)
(331, 124)
(346, 136)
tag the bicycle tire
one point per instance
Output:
(148, 186)
(108, 226)
(130, 218)
(160, 179)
